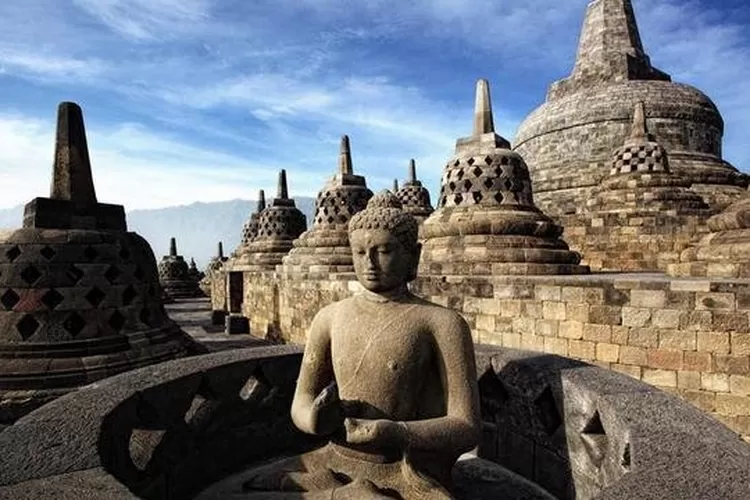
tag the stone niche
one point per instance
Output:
(173, 430)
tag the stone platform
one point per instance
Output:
(170, 431)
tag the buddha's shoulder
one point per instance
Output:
(438, 312)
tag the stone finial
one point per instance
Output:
(412, 171)
(220, 250)
(345, 157)
(172, 247)
(192, 263)
(639, 129)
(283, 191)
(71, 177)
(395, 185)
(261, 201)
(483, 121)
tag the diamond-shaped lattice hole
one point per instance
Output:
(467, 184)
(138, 273)
(145, 317)
(75, 274)
(129, 295)
(477, 196)
(504, 160)
(112, 274)
(498, 197)
(488, 160)
(52, 299)
(116, 321)
(95, 296)
(547, 411)
(90, 253)
(9, 299)
(73, 324)
(488, 183)
(48, 252)
(476, 171)
(13, 253)
(27, 326)
(470, 161)
(30, 274)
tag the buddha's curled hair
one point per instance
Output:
(385, 211)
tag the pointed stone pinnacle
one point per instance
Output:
(172, 247)
(395, 185)
(483, 122)
(412, 171)
(283, 192)
(639, 130)
(71, 176)
(261, 201)
(220, 250)
(345, 157)
(192, 263)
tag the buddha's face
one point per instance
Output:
(381, 261)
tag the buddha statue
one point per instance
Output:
(387, 377)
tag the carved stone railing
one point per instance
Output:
(170, 430)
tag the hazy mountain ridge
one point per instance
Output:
(198, 227)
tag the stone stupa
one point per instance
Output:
(174, 275)
(567, 141)
(250, 228)
(725, 251)
(486, 222)
(642, 215)
(324, 248)
(79, 294)
(280, 223)
(414, 196)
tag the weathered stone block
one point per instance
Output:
(554, 310)
(689, 380)
(715, 382)
(605, 315)
(714, 342)
(582, 349)
(597, 333)
(668, 360)
(678, 340)
(636, 317)
(666, 318)
(660, 378)
(633, 355)
(653, 299)
(732, 405)
(571, 329)
(609, 353)
(643, 337)
(740, 385)
(714, 301)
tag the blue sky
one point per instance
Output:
(204, 100)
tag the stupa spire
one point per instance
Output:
(639, 129)
(610, 44)
(172, 247)
(220, 250)
(283, 191)
(261, 201)
(345, 157)
(71, 176)
(483, 122)
(395, 185)
(412, 171)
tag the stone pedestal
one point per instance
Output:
(236, 324)
(174, 276)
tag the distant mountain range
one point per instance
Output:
(198, 227)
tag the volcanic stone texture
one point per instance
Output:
(567, 141)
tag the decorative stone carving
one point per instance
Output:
(250, 229)
(396, 395)
(279, 225)
(414, 196)
(642, 215)
(725, 251)
(486, 221)
(567, 141)
(324, 249)
(79, 295)
(174, 275)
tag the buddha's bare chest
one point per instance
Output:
(372, 360)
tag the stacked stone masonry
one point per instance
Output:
(690, 337)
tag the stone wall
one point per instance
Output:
(688, 337)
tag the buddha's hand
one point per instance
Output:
(380, 432)
(327, 411)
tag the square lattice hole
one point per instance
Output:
(13, 253)
(52, 299)
(30, 274)
(95, 296)
(9, 299)
(73, 324)
(116, 321)
(27, 326)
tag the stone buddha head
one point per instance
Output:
(384, 244)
